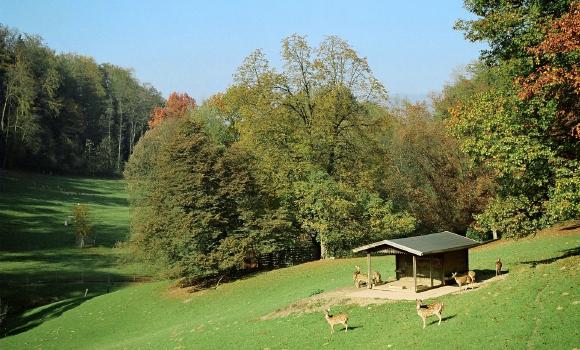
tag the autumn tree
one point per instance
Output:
(178, 105)
(521, 125)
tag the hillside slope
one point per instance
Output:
(535, 306)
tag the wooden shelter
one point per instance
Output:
(430, 258)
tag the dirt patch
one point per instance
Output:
(185, 294)
(323, 301)
(563, 229)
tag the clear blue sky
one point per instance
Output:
(196, 46)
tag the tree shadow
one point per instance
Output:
(25, 322)
(33, 304)
(486, 274)
(567, 253)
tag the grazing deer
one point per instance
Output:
(336, 319)
(471, 274)
(498, 267)
(461, 280)
(425, 311)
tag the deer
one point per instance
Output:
(498, 267)
(376, 280)
(425, 311)
(336, 319)
(461, 280)
(471, 274)
(359, 278)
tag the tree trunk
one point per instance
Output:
(317, 248)
(6, 144)
(120, 136)
(4, 111)
(131, 137)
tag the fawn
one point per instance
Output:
(425, 311)
(336, 319)
(462, 280)
(498, 267)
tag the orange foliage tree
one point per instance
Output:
(557, 76)
(178, 105)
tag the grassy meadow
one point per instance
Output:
(39, 262)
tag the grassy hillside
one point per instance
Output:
(535, 306)
(39, 262)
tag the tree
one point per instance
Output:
(199, 209)
(314, 119)
(521, 126)
(431, 177)
(82, 223)
(178, 105)
(556, 78)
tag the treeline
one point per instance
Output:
(65, 113)
(315, 153)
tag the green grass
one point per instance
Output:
(39, 262)
(536, 307)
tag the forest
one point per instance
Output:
(64, 113)
(314, 152)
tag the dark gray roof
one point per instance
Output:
(423, 245)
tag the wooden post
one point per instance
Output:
(430, 271)
(370, 284)
(443, 269)
(415, 272)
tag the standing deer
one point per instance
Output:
(425, 311)
(498, 267)
(461, 280)
(336, 319)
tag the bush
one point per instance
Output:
(477, 235)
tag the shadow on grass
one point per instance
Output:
(33, 210)
(443, 319)
(567, 253)
(23, 323)
(486, 274)
(39, 264)
(57, 298)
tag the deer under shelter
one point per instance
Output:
(422, 262)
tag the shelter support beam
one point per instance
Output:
(370, 284)
(415, 272)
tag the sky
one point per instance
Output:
(196, 46)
